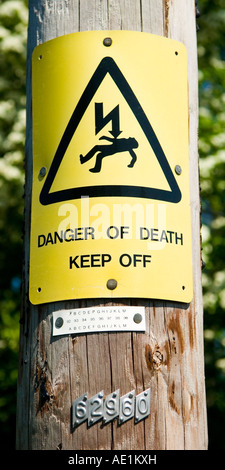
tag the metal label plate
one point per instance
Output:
(107, 408)
(127, 407)
(99, 319)
(111, 406)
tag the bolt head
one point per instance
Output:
(59, 322)
(107, 42)
(43, 171)
(111, 284)
(137, 318)
(178, 169)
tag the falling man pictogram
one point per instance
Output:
(116, 145)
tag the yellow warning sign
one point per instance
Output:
(110, 200)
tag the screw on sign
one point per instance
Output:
(107, 42)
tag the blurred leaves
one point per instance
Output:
(211, 57)
(13, 37)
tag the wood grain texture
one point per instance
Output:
(169, 357)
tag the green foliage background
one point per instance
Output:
(13, 37)
(211, 56)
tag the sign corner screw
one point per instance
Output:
(43, 171)
(178, 169)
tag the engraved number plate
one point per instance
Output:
(127, 407)
(142, 405)
(95, 409)
(110, 407)
(80, 410)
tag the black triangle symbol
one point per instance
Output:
(108, 65)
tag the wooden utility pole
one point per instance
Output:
(168, 358)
